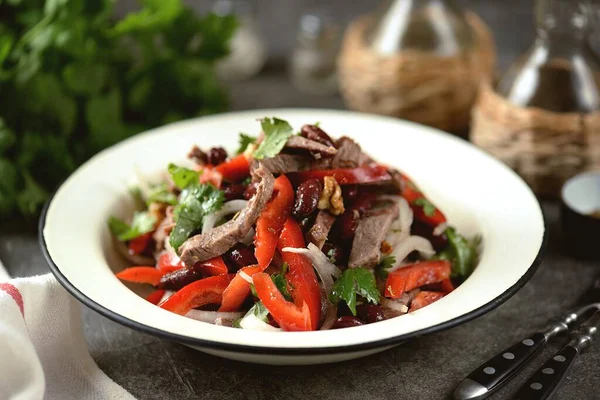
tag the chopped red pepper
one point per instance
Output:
(210, 175)
(416, 275)
(140, 243)
(447, 286)
(346, 176)
(214, 266)
(155, 296)
(167, 262)
(423, 299)
(301, 276)
(196, 294)
(234, 170)
(238, 289)
(288, 315)
(148, 275)
(420, 204)
(271, 220)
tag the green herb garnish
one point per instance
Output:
(182, 177)
(428, 207)
(142, 222)
(161, 194)
(281, 281)
(277, 132)
(382, 268)
(245, 141)
(353, 282)
(461, 252)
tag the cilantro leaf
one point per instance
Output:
(160, 194)
(258, 310)
(428, 207)
(182, 176)
(277, 132)
(461, 252)
(142, 222)
(352, 282)
(382, 268)
(281, 281)
(245, 141)
(196, 202)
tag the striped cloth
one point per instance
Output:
(43, 354)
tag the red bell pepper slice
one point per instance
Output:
(155, 296)
(301, 276)
(345, 176)
(423, 299)
(140, 243)
(238, 289)
(288, 315)
(214, 266)
(270, 223)
(196, 294)
(416, 198)
(416, 275)
(235, 169)
(148, 275)
(446, 286)
(167, 262)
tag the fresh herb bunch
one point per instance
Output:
(73, 80)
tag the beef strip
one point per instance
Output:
(282, 164)
(218, 240)
(348, 155)
(370, 233)
(315, 148)
(320, 229)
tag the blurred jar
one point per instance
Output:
(248, 48)
(312, 66)
(421, 60)
(543, 118)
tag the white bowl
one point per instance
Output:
(477, 193)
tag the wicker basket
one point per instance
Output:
(421, 87)
(545, 148)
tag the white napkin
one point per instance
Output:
(43, 354)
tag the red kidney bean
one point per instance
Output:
(234, 191)
(346, 322)
(216, 156)
(240, 256)
(177, 279)
(317, 134)
(419, 228)
(350, 194)
(250, 190)
(307, 197)
(347, 223)
(370, 313)
(198, 155)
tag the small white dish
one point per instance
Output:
(476, 192)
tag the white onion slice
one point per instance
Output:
(394, 305)
(167, 294)
(245, 276)
(249, 237)
(400, 228)
(230, 207)
(440, 229)
(212, 316)
(409, 245)
(254, 323)
(330, 317)
(325, 268)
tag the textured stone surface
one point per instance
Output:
(425, 368)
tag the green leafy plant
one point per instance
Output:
(74, 80)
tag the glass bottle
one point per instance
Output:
(435, 26)
(248, 48)
(312, 65)
(560, 72)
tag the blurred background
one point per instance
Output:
(519, 78)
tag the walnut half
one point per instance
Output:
(331, 197)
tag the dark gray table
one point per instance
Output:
(425, 368)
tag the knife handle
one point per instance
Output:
(544, 381)
(494, 373)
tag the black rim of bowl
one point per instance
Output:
(264, 350)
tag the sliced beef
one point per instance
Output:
(317, 134)
(220, 239)
(315, 148)
(370, 233)
(349, 154)
(320, 229)
(282, 164)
